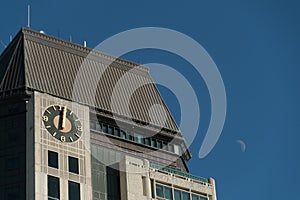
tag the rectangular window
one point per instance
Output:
(73, 165)
(165, 146)
(138, 138)
(74, 191)
(159, 144)
(176, 149)
(98, 126)
(53, 188)
(147, 141)
(122, 134)
(53, 159)
(129, 137)
(168, 193)
(104, 128)
(177, 195)
(164, 192)
(153, 142)
(159, 191)
(185, 196)
(117, 132)
(110, 130)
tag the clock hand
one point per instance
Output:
(63, 123)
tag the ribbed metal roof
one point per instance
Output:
(40, 62)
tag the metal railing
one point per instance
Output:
(178, 172)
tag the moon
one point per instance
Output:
(242, 145)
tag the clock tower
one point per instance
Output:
(58, 147)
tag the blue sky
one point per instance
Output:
(255, 45)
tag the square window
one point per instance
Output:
(74, 190)
(53, 188)
(73, 165)
(53, 159)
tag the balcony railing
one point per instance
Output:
(178, 172)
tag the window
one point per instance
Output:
(129, 137)
(159, 144)
(104, 128)
(164, 192)
(110, 130)
(98, 126)
(185, 196)
(73, 165)
(147, 141)
(117, 132)
(12, 163)
(53, 188)
(176, 149)
(53, 159)
(197, 197)
(181, 195)
(122, 134)
(153, 142)
(74, 191)
(138, 138)
(177, 195)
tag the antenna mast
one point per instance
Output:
(28, 16)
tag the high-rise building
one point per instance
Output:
(80, 124)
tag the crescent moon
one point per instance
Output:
(242, 145)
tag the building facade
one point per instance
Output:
(68, 133)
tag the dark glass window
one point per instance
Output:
(138, 138)
(147, 141)
(129, 137)
(153, 142)
(74, 191)
(117, 132)
(53, 159)
(177, 195)
(165, 146)
(164, 192)
(104, 128)
(159, 144)
(98, 126)
(53, 188)
(73, 165)
(110, 130)
(12, 163)
(122, 134)
(195, 197)
(185, 196)
(159, 191)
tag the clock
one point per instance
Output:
(62, 123)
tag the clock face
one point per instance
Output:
(62, 123)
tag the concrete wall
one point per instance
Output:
(138, 181)
(43, 142)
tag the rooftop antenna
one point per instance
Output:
(28, 16)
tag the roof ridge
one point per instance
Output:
(87, 50)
